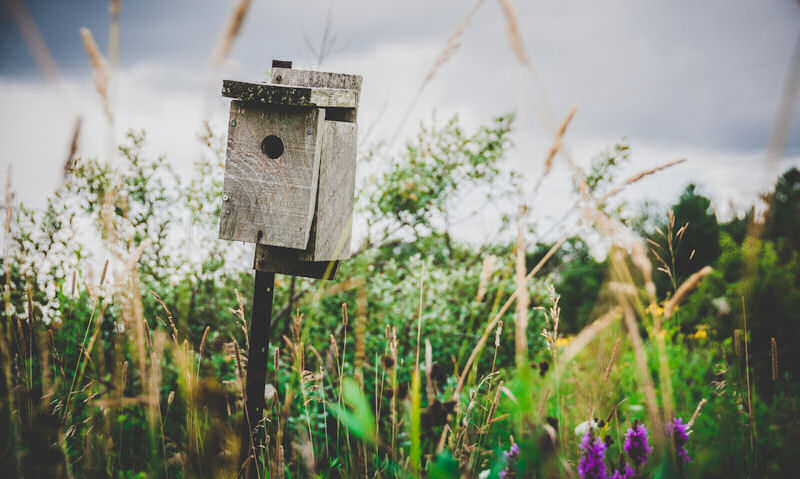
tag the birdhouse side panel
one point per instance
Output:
(271, 174)
(332, 226)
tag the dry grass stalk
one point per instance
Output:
(493, 408)
(114, 7)
(523, 299)
(452, 44)
(113, 10)
(635, 178)
(334, 348)
(239, 313)
(34, 40)
(232, 29)
(450, 47)
(543, 402)
(640, 259)
(491, 325)
(69, 164)
(684, 289)
(446, 431)
(99, 70)
(203, 341)
(429, 371)
(345, 285)
(588, 333)
(557, 140)
(554, 148)
(344, 350)
(280, 463)
(644, 371)
(276, 360)
(696, 413)
(550, 331)
(241, 380)
(419, 315)
(360, 330)
(103, 274)
(611, 361)
(487, 268)
(512, 31)
(174, 330)
(240, 372)
(774, 358)
(123, 378)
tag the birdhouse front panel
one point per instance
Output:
(271, 174)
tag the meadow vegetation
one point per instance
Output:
(673, 354)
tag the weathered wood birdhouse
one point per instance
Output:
(290, 169)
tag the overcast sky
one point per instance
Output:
(678, 79)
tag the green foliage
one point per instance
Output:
(579, 282)
(100, 379)
(357, 417)
(602, 168)
(783, 215)
(700, 244)
(419, 190)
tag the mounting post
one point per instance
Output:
(257, 358)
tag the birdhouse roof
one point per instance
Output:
(272, 94)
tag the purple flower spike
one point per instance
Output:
(636, 444)
(626, 473)
(591, 465)
(512, 452)
(510, 456)
(680, 437)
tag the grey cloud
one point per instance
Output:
(693, 76)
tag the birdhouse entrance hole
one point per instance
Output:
(272, 146)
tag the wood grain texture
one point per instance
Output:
(269, 94)
(271, 201)
(287, 261)
(308, 78)
(331, 229)
(332, 226)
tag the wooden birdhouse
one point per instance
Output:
(290, 169)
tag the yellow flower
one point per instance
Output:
(563, 341)
(702, 332)
(655, 310)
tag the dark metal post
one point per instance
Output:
(257, 358)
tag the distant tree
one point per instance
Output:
(577, 276)
(700, 245)
(738, 226)
(579, 281)
(688, 240)
(782, 220)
